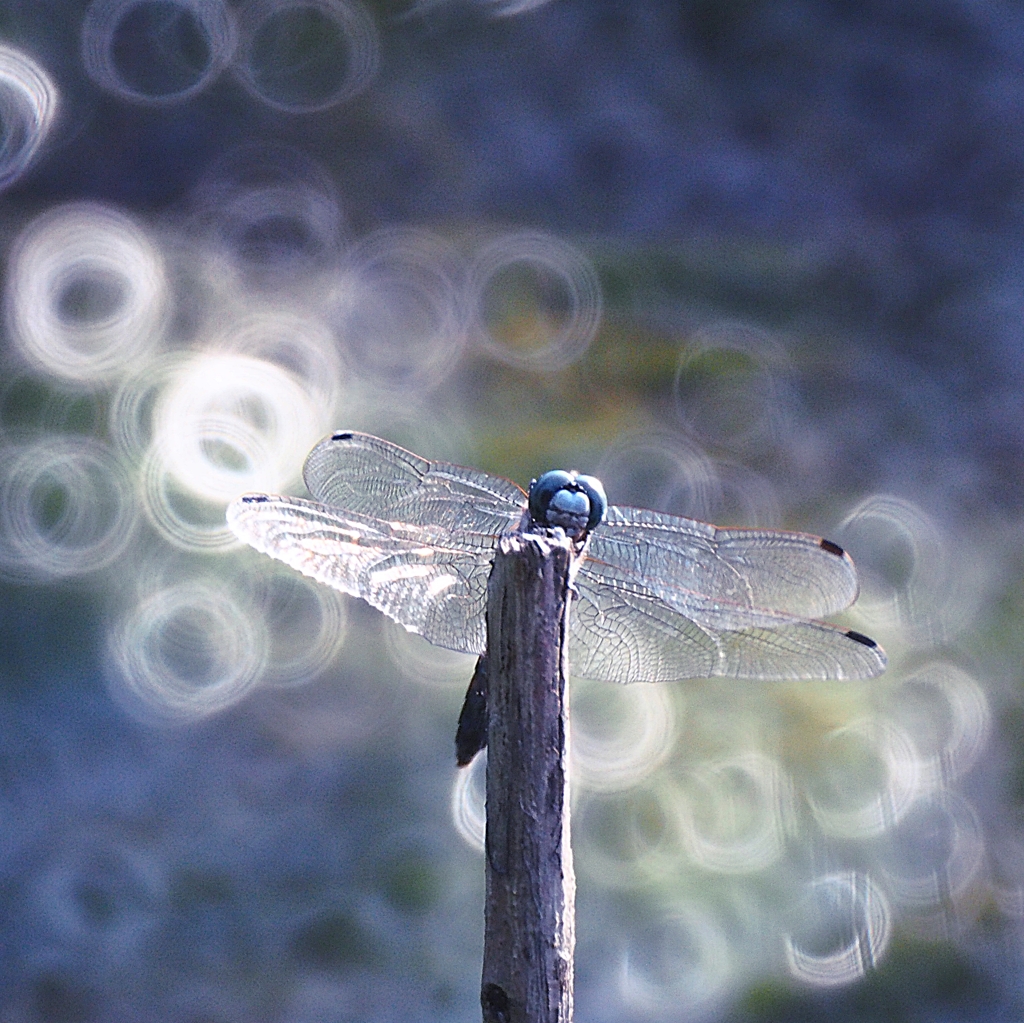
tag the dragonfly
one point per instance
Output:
(656, 597)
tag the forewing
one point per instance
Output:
(679, 559)
(365, 474)
(622, 632)
(427, 578)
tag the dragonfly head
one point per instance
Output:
(567, 499)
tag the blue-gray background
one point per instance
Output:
(780, 243)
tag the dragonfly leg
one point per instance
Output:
(471, 735)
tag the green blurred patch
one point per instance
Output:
(523, 453)
(917, 980)
(525, 306)
(1011, 728)
(333, 941)
(299, 55)
(629, 357)
(530, 423)
(729, 276)
(28, 405)
(713, 363)
(52, 503)
(998, 633)
(410, 882)
(630, 370)
(193, 888)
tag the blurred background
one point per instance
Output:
(753, 262)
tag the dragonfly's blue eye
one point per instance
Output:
(559, 498)
(545, 488)
(594, 489)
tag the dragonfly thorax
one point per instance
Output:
(575, 503)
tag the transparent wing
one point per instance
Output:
(364, 474)
(622, 635)
(426, 577)
(621, 631)
(660, 597)
(682, 559)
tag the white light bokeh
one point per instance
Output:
(295, 342)
(278, 63)
(946, 713)
(86, 293)
(513, 8)
(737, 813)
(845, 931)
(629, 837)
(186, 651)
(395, 307)
(682, 964)
(306, 626)
(468, 802)
(658, 469)
(932, 858)
(230, 423)
(66, 508)
(130, 420)
(620, 734)
(28, 106)
(273, 210)
(412, 420)
(100, 28)
(183, 518)
(422, 662)
(554, 315)
(867, 778)
(496, 8)
(731, 387)
(903, 568)
(670, 472)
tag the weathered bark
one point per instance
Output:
(529, 918)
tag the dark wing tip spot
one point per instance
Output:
(859, 637)
(347, 435)
(833, 548)
(255, 498)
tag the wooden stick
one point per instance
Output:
(529, 917)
